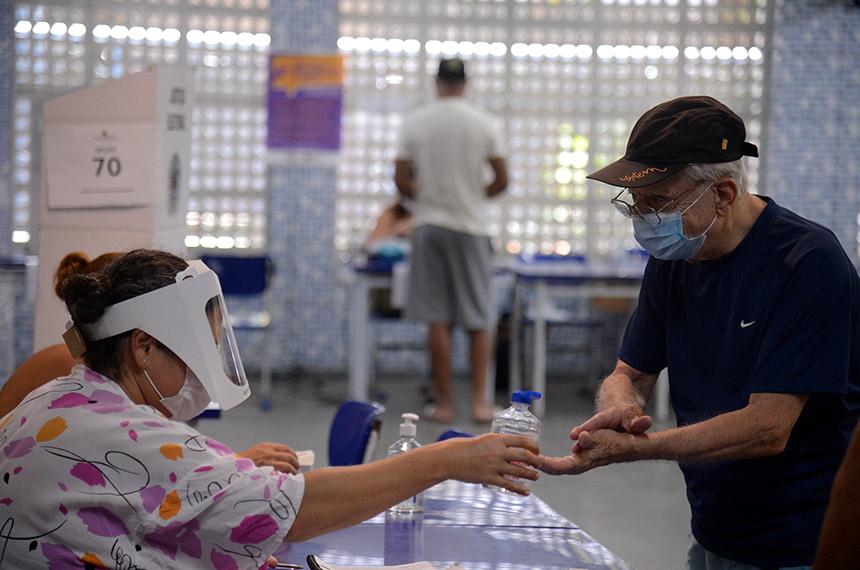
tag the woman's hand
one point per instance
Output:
(491, 459)
(277, 455)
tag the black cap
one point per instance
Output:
(674, 134)
(452, 70)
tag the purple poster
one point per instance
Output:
(305, 98)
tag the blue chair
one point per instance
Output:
(452, 433)
(354, 433)
(212, 412)
(245, 281)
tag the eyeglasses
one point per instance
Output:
(647, 213)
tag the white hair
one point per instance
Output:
(700, 173)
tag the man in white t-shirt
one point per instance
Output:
(443, 156)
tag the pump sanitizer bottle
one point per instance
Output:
(404, 443)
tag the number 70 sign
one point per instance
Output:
(101, 166)
(114, 166)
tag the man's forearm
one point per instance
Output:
(406, 188)
(495, 187)
(500, 177)
(729, 436)
(404, 178)
(618, 390)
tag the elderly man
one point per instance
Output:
(755, 312)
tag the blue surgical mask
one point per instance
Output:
(663, 237)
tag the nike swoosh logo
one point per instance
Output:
(745, 325)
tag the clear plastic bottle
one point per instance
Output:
(518, 420)
(406, 442)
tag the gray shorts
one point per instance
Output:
(450, 276)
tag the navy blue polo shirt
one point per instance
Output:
(780, 313)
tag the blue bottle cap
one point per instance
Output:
(525, 396)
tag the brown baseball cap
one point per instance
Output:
(674, 134)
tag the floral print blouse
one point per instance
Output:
(89, 479)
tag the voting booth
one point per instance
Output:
(114, 176)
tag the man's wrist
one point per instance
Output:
(643, 446)
(618, 390)
(630, 409)
(654, 445)
(606, 401)
(604, 404)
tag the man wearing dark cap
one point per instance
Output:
(443, 155)
(754, 311)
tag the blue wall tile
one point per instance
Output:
(9, 283)
(308, 321)
(7, 50)
(814, 136)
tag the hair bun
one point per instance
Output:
(86, 296)
(72, 264)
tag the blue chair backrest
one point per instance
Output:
(552, 258)
(350, 432)
(243, 276)
(451, 433)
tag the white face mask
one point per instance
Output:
(189, 402)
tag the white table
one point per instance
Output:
(559, 279)
(362, 280)
(465, 523)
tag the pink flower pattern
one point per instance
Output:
(107, 493)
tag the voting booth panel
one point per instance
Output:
(114, 176)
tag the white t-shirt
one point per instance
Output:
(88, 476)
(449, 143)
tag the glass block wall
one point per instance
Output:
(815, 115)
(61, 46)
(566, 79)
(6, 66)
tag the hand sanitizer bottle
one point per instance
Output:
(405, 443)
(518, 420)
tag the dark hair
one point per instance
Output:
(451, 71)
(400, 211)
(88, 295)
(79, 262)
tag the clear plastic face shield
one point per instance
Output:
(190, 318)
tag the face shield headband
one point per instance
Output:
(190, 318)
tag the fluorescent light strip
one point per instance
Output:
(450, 48)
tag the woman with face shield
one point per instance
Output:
(96, 470)
(55, 361)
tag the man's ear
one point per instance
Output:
(141, 345)
(726, 191)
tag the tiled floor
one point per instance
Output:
(638, 510)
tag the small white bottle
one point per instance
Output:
(407, 442)
(518, 420)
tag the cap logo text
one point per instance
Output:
(641, 173)
(725, 144)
